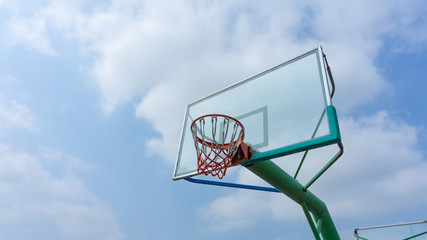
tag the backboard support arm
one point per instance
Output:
(328, 165)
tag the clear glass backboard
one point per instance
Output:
(284, 110)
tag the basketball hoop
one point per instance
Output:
(216, 148)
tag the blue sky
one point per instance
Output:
(92, 97)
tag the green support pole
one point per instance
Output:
(282, 181)
(310, 221)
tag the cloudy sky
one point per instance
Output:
(92, 95)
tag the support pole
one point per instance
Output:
(279, 179)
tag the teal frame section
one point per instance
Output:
(334, 137)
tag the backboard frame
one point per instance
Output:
(332, 138)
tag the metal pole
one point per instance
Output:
(279, 179)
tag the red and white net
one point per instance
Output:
(217, 138)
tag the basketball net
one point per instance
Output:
(219, 143)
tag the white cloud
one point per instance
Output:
(142, 44)
(379, 169)
(155, 107)
(357, 79)
(15, 115)
(37, 204)
(42, 195)
(231, 212)
(65, 165)
(33, 33)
